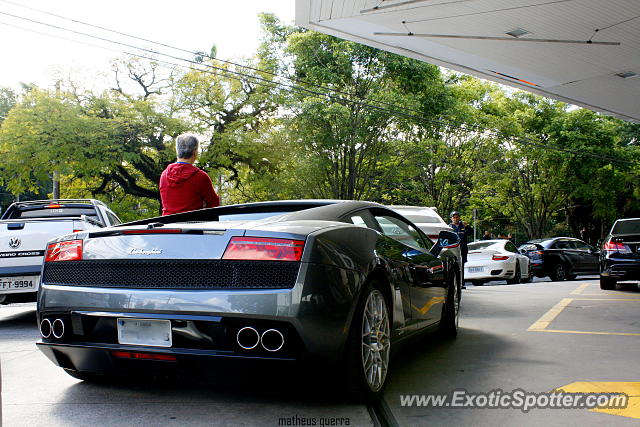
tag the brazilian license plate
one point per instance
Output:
(18, 283)
(148, 332)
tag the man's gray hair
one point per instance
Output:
(186, 145)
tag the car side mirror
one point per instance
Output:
(446, 239)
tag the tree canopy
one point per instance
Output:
(313, 116)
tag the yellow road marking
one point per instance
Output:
(631, 389)
(606, 294)
(542, 323)
(579, 289)
(561, 331)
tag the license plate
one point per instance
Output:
(149, 332)
(17, 283)
(476, 269)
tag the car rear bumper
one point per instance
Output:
(108, 360)
(313, 316)
(620, 269)
(496, 270)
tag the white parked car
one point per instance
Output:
(426, 219)
(496, 260)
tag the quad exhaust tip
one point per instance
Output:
(49, 328)
(57, 328)
(248, 338)
(271, 340)
(45, 328)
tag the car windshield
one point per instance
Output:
(484, 245)
(627, 227)
(530, 247)
(47, 212)
(421, 219)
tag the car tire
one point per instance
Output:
(369, 346)
(607, 283)
(529, 275)
(517, 276)
(451, 311)
(558, 273)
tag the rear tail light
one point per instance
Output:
(616, 247)
(499, 257)
(264, 249)
(53, 206)
(64, 251)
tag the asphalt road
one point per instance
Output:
(533, 337)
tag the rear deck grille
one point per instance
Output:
(173, 274)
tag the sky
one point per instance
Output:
(35, 53)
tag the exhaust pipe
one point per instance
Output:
(45, 328)
(248, 338)
(272, 340)
(57, 328)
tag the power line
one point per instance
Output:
(274, 84)
(203, 54)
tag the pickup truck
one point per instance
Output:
(25, 228)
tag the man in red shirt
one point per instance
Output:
(184, 187)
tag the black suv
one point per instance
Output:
(561, 258)
(620, 255)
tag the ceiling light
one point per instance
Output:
(518, 32)
(627, 74)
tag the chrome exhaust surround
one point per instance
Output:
(57, 328)
(45, 328)
(272, 340)
(248, 338)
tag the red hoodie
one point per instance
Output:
(184, 187)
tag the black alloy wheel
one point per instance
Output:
(517, 276)
(369, 346)
(558, 273)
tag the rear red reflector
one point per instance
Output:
(499, 257)
(154, 231)
(64, 251)
(143, 356)
(264, 249)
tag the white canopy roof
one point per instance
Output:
(584, 52)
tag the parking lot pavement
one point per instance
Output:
(593, 342)
(525, 337)
(37, 393)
